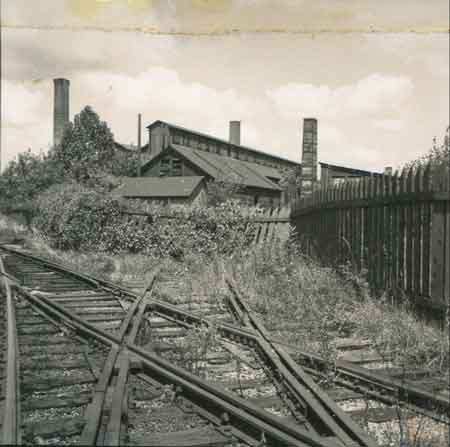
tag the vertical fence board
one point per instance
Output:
(437, 250)
(397, 227)
(447, 252)
(409, 235)
(418, 244)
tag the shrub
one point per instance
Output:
(74, 217)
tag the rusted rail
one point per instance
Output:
(303, 387)
(248, 417)
(370, 383)
(373, 384)
(352, 376)
(11, 417)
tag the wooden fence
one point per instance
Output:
(395, 226)
(272, 226)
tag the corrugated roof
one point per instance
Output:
(158, 186)
(219, 167)
(220, 140)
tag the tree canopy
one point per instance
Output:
(438, 155)
(85, 155)
(87, 147)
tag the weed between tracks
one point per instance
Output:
(303, 304)
(311, 306)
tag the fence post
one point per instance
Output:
(439, 241)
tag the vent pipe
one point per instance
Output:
(235, 132)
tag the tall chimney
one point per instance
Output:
(309, 156)
(60, 108)
(235, 132)
(139, 146)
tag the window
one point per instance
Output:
(176, 167)
(164, 167)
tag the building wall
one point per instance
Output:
(197, 198)
(330, 176)
(171, 165)
(266, 199)
(159, 138)
(161, 135)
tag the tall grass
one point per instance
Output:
(310, 306)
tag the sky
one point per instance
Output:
(375, 73)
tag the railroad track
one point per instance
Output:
(150, 372)
(133, 386)
(371, 397)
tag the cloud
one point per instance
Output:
(389, 125)
(160, 93)
(340, 149)
(372, 96)
(20, 104)
(26, 117)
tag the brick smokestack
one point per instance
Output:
(309, 156)
(235, 132)
(60, 108)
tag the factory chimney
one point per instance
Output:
(235, 132)
(60, 108)
(309, 156)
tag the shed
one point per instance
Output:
(165, 190)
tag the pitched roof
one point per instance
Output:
(128, 147)
(219, 140)
(219, 167)
(158, 186)
(348, 170)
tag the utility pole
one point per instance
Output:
(139, 146)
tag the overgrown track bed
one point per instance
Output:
(82, 297)
(243, 362)
(380, 398)
(175, 345)
(130, 391)
(375, 400)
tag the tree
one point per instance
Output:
(438, 155)
(24, 179)
(125, 165)
(86, 150)
(222, 189)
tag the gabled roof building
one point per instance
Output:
(175, 151)
(178, 152)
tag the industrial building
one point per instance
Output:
(186, 155)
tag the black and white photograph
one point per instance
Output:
(225, 223)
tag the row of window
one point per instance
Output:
(170, 167)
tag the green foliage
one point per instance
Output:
(125, 165)
(438, 155)
(24, 179)
(86, 154)
(221, 190)
(310, 306)
(74, 217)
(87, 147)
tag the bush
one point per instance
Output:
(74, 217)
